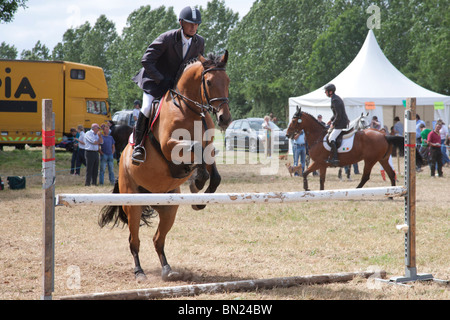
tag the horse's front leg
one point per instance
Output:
(166, 219)
(311, 168)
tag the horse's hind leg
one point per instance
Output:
(166, 219)
(366, 173)
(134, 218)
(387, 167)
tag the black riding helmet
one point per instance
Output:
(191, 15)
(330, 87)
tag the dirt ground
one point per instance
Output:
(224, 243)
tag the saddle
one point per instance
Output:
(344, 142)
(154, 114)
(177, 171)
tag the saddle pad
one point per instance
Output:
(156, 115)
(346, 145)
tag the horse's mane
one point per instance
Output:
(313, 118)
(212, 60)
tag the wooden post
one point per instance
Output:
(410, 198)
(48, 185)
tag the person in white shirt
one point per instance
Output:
(81, 156)
(93, 139)
(444, 133)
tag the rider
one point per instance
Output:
(163, 63)
(338, 121)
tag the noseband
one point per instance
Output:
(202, 106)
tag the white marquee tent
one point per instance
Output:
(371, 78)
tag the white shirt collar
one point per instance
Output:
(185, 40)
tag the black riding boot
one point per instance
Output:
(334, 157)
(139, 153)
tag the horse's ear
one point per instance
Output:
(224, 57)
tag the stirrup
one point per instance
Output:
(333, 162)
(139, 161)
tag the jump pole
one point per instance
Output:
(48, 186)
(225, 198)
(221, 287)
(410, 202)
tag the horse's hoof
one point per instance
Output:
(140, 275)
(168, 275)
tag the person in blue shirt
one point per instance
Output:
(299, 150)
(107, 150)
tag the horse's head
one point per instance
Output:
(215, 83)
(296, 124)
(363, 122)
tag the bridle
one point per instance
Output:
(202, 106)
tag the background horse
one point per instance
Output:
(121, 134)
(202, 87)
(369, 145)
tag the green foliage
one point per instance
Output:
(9, 7)
(7, 51)
(39, 52)
(217, 22)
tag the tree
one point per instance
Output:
(9, 7)
(7, 51)
(71, 47)
(39, 52)
(336, 47)
(264, 52)
(217, 22)
(96, 44)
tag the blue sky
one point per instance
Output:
(48, 20)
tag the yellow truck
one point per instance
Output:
(79, 93)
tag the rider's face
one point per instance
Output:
(189, 29)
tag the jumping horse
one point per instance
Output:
(201, 89)
(369, 145)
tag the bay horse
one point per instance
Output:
(201, 89)
(369, 145)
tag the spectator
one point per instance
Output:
(268, 128)
(444, 133)
(81, 156)
(107, 149)
(434, 141)
(299, 150)
(398, 127)
(73, 161)
(319, 118)
(424, 147)
(93, 139)
(375, 124)
(418, 130)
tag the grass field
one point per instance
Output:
(227, 243)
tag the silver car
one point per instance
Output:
(248, 134)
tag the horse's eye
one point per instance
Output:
(208, 82)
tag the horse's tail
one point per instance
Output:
(396, 141)
(112, 213)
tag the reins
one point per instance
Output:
(208, 107)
